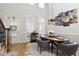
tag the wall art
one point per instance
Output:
(65, 18)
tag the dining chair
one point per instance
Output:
(43, 45)
(67, 49)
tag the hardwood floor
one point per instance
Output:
(22, 49)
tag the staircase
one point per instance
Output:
(4, 37)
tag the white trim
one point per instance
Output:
(68, 33)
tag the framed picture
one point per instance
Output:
(66, 18)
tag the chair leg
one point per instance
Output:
(52, 49)
(74, 54)
(40, 50)
(49, 50)
(37, 47)
(57, 53)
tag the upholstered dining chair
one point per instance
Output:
(43, 45)
(67, 49)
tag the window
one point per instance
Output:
(42, 5)
(11, 20)
(41, 25)
(30, 25)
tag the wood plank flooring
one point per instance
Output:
(22, 49)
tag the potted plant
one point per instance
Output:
(51, 33)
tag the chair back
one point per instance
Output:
(68, 49)
(43, 44)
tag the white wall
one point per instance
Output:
(62, 7)
(50, 10)
(22, 10)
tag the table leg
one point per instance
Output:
(51, 47)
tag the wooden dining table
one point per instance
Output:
(55, 40)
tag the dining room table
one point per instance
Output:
(54, 40)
